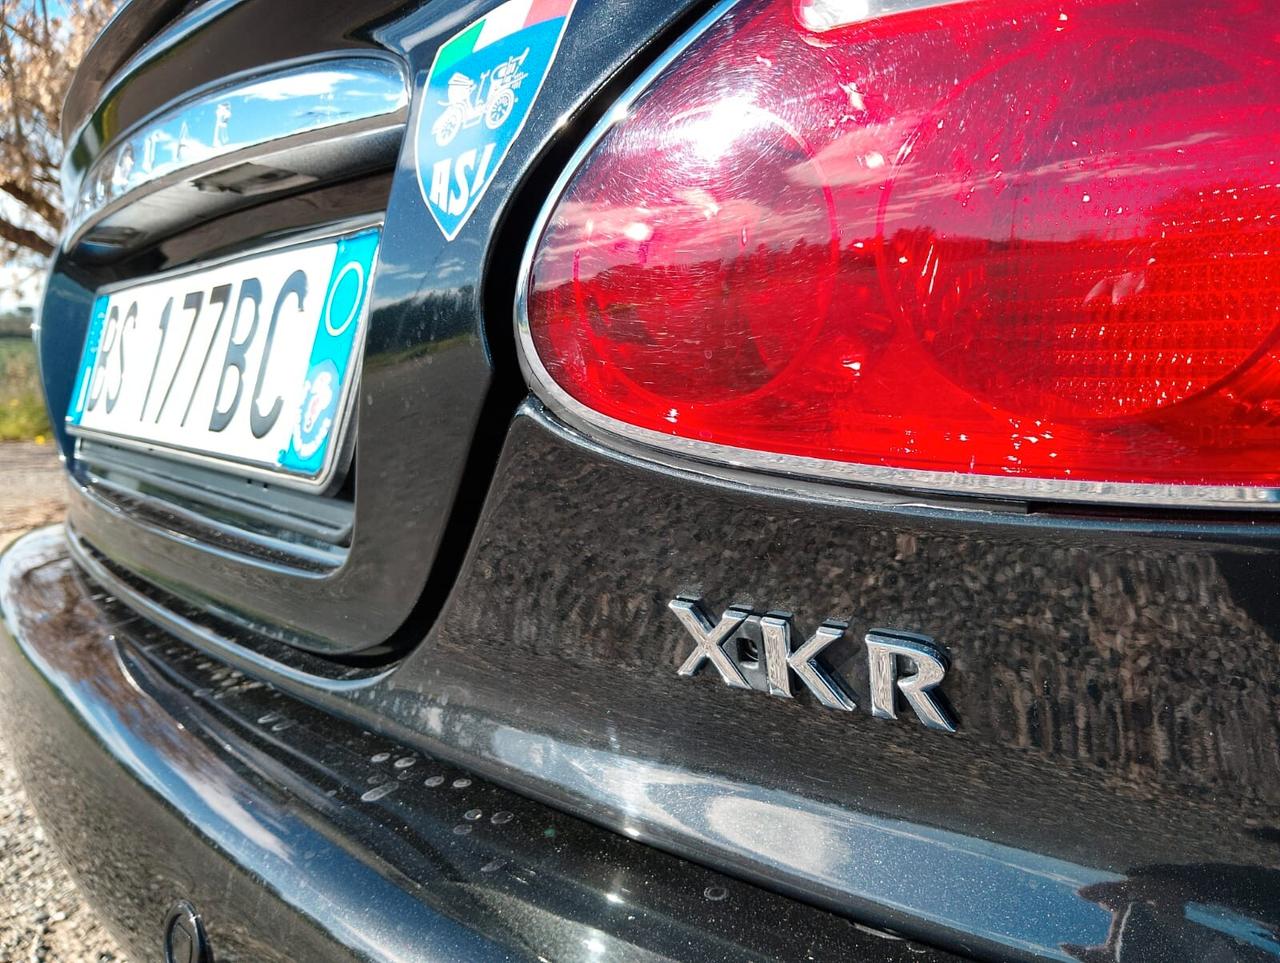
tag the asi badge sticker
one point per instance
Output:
(479, 90)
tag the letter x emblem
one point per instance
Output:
(710, 640)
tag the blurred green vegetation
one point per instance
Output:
(22, 414)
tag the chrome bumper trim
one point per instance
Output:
(244, 136)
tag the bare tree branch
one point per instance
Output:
(21, 30)
(25, 238)
(40, 47)
(35, 201)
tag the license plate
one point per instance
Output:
(247, 362)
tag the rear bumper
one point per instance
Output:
(160, 774)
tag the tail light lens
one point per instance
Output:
(974, 241)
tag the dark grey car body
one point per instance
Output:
(447, 723)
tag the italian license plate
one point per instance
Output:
(248, 362)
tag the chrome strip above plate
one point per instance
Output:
(122, 45)
(725, 461)
(238, 119)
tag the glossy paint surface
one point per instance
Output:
(162, 775)
(1112, 683)
(996, 239)
(119, 40)
(431, 417)
(1111, 792)
(1114, 687)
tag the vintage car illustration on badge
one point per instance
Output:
(492, 98)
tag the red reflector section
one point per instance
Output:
(986, 238)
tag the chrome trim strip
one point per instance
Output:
(714, 459)
(237, 119)
(164, 481)
(127, 30)
(205, 639)
(616, 447)
(319, 561)
(87, 488)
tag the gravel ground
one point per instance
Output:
(31, 488)
(42, 916)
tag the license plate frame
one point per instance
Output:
(309, 460)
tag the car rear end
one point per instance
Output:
(701, 481)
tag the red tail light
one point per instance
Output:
(975, 241)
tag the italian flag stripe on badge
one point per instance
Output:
(511, 17)
(477, 94)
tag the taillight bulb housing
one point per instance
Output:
(967, 246)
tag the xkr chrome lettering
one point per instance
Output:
(710, 640)
(780, 661)
(751, 651)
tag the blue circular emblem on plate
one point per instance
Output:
(319, 406)
(344, 299)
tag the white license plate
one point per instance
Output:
(247, 362)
